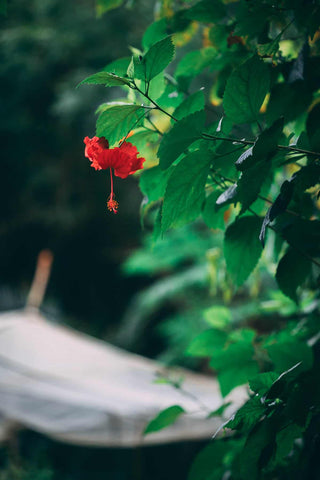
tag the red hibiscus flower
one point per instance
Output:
(124, 161)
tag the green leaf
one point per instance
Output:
(286, 354)
(164, 419)
(252, 18)
(185, 192)
(191, 104)
(212, 215)
(269, 49)
(106, 79)
(246, 335)
(104, 6)
(257, 442)
(115, 122)
(251, 182)
(192, 64)
(242, 248)
(235, 365)
(219, 411)
(289, 100)
(267, 141)
(171, 97)
(217, 316)
(153, 182)
(154, 33)
(248, 415)
(118, 67)
(307, 177)
(279, 206)
(207, 342)
(263, 382)
(304, 235)
(157, 87)
(245, 91)
(182, 134)
(142, 140)
(292, 271)
(209, 464)
(209, 11)
(285, 440)
(154, 61)
(313, 128)
(218, 35)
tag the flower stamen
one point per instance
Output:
(112, 204)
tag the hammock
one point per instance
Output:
(83, 391)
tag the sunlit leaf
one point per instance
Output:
(155, 60)
(164, 419)
(106, 79)
(207, 342)
(115, 122)
(104, 6)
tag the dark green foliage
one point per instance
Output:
(245, 91)
(212, 461)
(263, 382)
(184, 194)
(213, 216)
(180, 137)
(313, 128)
(292, 271)
(207, 11)
(286, 354)
(242, 248)
(192, 64)
(279, 206)
(262, 160)
(235, 364)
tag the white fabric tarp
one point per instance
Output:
(77, 389)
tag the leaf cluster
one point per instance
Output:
(241, 156)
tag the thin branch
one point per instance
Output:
(208, 136)
(156, 106)
(289, 148)
(265, 199)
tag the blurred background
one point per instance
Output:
(50, 197)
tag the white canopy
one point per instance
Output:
(77, 389)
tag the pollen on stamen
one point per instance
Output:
(112, 205)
